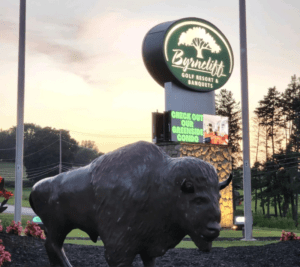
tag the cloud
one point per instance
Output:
(8, 31)
(99, 48)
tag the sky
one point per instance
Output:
(84, 70)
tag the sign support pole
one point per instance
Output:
(60, 156)
(245, 119)
(20, 115)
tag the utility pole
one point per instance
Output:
(297, 176)
(245, 119)
(60, 153)
(20, 115)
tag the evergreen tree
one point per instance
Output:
(291, 109)
(258, 139)
(269, 112)
(227, 106)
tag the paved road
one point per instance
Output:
(25, 211)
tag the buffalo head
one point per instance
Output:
(198, 196)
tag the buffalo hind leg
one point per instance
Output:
(148, 261)
(54, 247)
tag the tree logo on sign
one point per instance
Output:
(200, 40)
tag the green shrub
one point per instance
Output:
(259, 220)
(5, 221)
(7, 218)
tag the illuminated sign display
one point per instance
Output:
(215, 129)
(198, 54)
(186, 127)
(190, 52)
(198, 128)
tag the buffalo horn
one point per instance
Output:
(223, 184)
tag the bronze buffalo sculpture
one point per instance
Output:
(137, 199)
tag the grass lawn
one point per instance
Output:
(7, 170)
(25, 197)
(257, 232)
(261, 232)
(190, 244)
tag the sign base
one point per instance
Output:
(177, 98)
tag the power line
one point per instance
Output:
(40, 171)
(13, 148)
(263, 172)
(114, 136)
(30, 169)
(40, 149)
(74, 163)
(73, 144)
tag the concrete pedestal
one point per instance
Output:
(179, 99)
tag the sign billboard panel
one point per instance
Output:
(215, 129)
(191, 52)
(198, 128)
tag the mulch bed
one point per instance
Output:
(32, 253)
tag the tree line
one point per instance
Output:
(275, 134)
(42, 150)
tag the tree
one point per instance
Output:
(89, 144)
(7, 145)
(41, 152)
(237, 184)
(226, 106)
(200, 40)
(290, 109)
(85, 156)
(256, 183)
(8, 140)
(287, 177)
(258, 139)
(269, 113)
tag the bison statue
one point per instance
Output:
(137, 199)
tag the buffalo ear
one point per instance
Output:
(187, 187)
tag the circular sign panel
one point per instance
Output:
(196, 55)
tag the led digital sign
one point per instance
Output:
(198, 128)
(215, 130)
(186, 127)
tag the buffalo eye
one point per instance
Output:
(187, 187)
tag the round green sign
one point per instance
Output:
(198, 54)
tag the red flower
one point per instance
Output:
(6, 194)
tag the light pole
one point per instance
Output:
(245, 119)
(20, 115)
(60, 153)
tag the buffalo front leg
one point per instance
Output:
(118, 258)
(148, 261)
(54, 248)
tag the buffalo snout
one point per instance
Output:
(212, 231)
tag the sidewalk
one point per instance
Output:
(25, 211)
